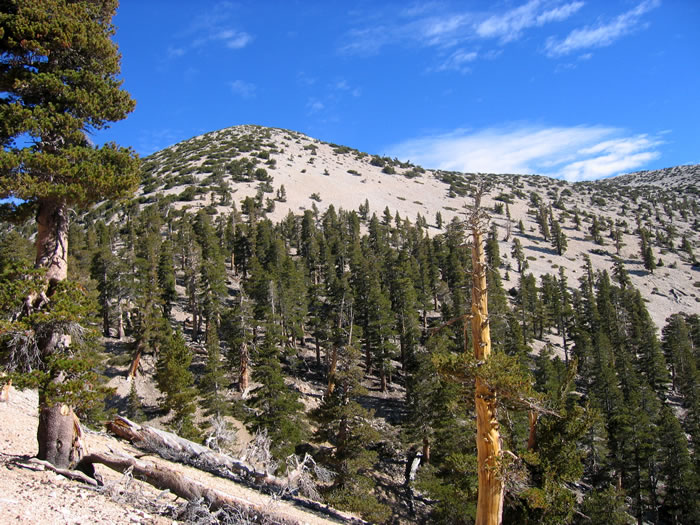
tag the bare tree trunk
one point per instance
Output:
(120, 321)
(532, 435)
(58, 434)
(333, 364)
(52, 240)
(171, 446)
(168, 479)
(133, 368)
(332, 367)
(105, 318)
(489, 510)
(244, 370)
(317, 343)
(426, 451)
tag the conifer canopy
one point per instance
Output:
(58, 83)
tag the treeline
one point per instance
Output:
(610, 430)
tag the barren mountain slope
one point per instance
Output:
(291, 172)
(29, 496)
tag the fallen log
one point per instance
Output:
(164, 478)
(172, 447)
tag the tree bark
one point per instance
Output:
(489, 508)
(52, 240)
(133, 368)
(332, 367)
(168, 479)
(171, 446)
(426, 451)
(532, 435)
(244, 370)
(59, 433)
(120, 321)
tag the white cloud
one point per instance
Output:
(174, 52)
(574, 153)
(234, 39)
(510, 25)
(212, 27)
(243, 88)
(436, 27)
(343, 86)
(458, 61)
(315, 106)
(602, 34)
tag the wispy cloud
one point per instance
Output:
(602, 34)
(438, 28)
(242, 88)
(314, 106)
(459, 60)
(152, 140)
(573, 153)
(212, 28)
(342, 86)
(510, 25)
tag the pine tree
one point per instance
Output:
(166, 278)
(438, 220)
(680, 503)
(277, 408)
(542, 218)
(344, 423)
(606, 506)
(213, 270)
(134, 407)
(104, 269)
(558, 238)
(237, 329)
(379, 332)
(646, 250)
(519, 255)
(176, 382)
(595, 231)
(213, 383)
(69, 86)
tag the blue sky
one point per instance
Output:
(573, 88)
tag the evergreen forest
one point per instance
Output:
(341, 333)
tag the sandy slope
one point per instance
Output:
(305, 165)
(27, 496)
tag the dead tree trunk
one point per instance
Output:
(168, 479)
(244, 370)
(135, 362)
(532, 434)
(489, 508)
(58, 434)
(172, 447)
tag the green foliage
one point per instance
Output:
(277, 408)
(345, 424)
(134, 408)
(176, 382)
(60, 77)
(66, 318)
(213, 383)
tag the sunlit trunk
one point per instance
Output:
(59, 428)
(489, 508)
